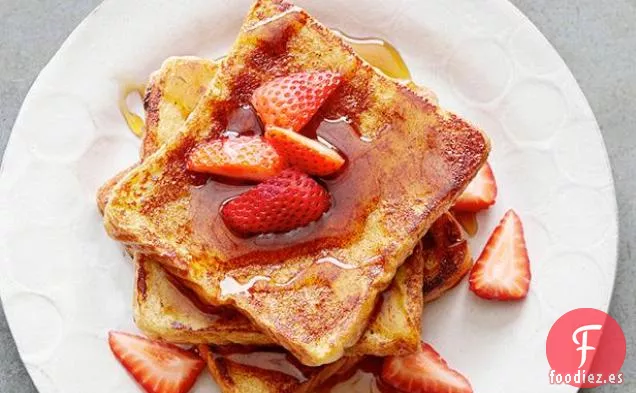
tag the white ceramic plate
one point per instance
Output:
(65, 283)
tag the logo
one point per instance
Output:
(586, 348)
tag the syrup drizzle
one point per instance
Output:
(381, 54)
(272, 19)
(133, 118)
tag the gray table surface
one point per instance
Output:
(596, 38)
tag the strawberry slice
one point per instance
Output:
(285, 202)
(306, 154)
(157, 366)
(423, 372)
(480, 193)
(244, 157)
(290, 101)
(502, 271)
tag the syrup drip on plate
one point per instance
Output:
(131, 107)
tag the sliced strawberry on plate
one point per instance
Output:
(244, 157)
(480, 193)
(157, 366)
(502, 271)
(285, 202)
(290, 101)
(306, 154)
(423, 372)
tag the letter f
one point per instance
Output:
(584, 348)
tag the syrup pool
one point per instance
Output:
(354, 193)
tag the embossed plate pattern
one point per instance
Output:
(64, 284)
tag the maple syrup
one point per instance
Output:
(132, 116)
(380, 53)
(468, 221)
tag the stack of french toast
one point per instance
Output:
(289, 215)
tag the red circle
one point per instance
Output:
(600, 345)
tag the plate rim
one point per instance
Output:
(89, 20)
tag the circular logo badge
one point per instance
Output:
(586, 348)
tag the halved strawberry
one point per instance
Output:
(244, 157)
(502, 271)
(480, 193)
(157, 366)
(285, 202)
(306, 154)
(290, 101)
(423, 372)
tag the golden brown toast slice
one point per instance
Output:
(411, 162)
(165, 309)
(446, 256)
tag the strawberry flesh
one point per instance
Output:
(244, 157)
(288, 201)
(481, 192)
(290, 101)
(158, 367)
(306, 154)
(423, 372)
(502, 271)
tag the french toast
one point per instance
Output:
(411, 161)
(166, 309)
